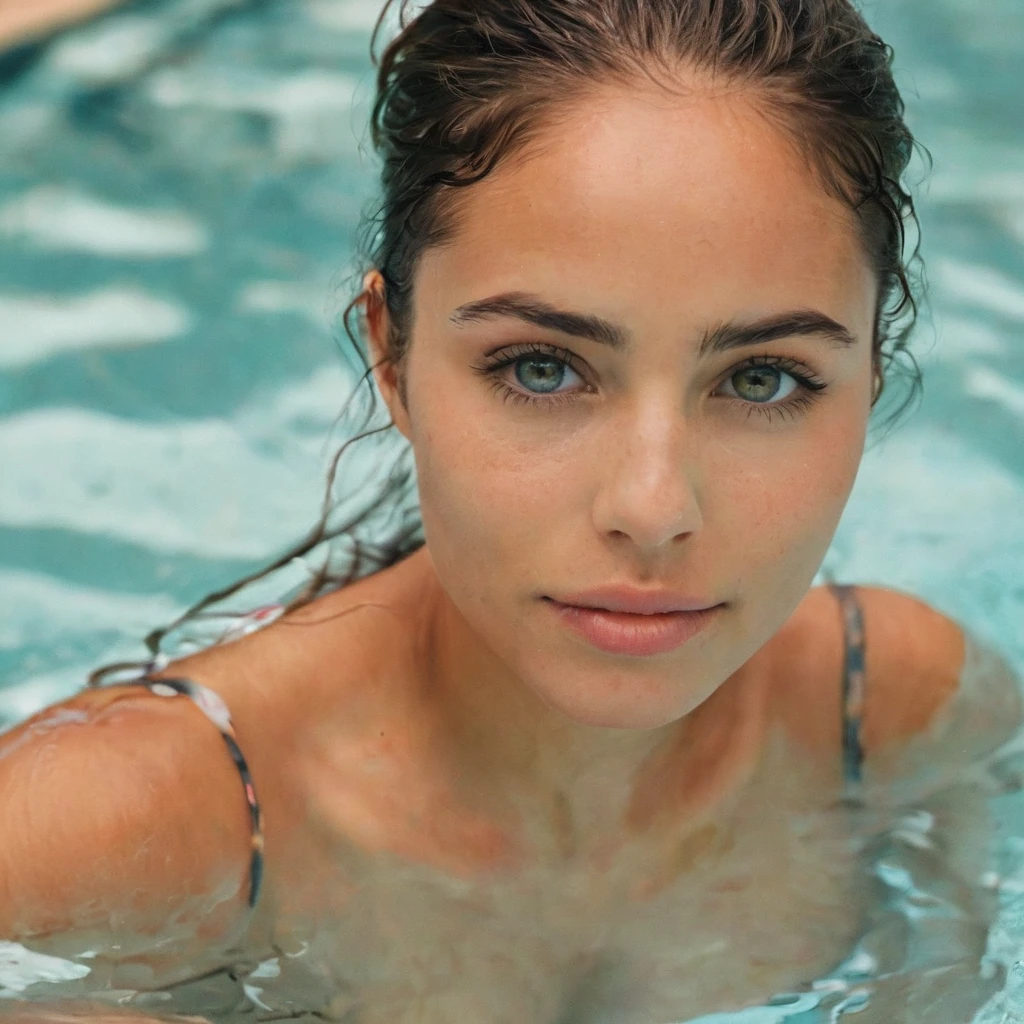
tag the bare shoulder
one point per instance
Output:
(335, 657)
(921, 675)
(311, 653)
(123, 811)
(913, 662)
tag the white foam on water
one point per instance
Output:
(1013, 218)
(42, 613)
(260, 93)
(960, 337)
(299, 297)
(984, 287)
(358, 16)
(194, 487)
(763, 1014)
(35, 607)
(109, 51)
(20, 968)
(25, 699)
(345, 15)
(69, 220)
(309, 407)
(983, 382)
(976, 184)
(212, 488)
(931, 82)
(36, 327)
(311, 110)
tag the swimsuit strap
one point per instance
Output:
(213, 706)
(853, 684)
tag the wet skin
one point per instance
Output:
(471, 812)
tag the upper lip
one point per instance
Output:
(635, 601)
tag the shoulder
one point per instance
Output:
(932, 691)
(913, 661)
(124, 810)
(346, 652)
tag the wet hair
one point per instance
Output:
(466, 85)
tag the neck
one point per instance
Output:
(520, 752)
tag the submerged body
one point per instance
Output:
(413, 875)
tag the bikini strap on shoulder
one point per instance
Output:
(853, 685)
(212, 705)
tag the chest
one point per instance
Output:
(754, 901)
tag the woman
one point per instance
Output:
(596, 751)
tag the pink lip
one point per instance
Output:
(638, 635)
(638, 602)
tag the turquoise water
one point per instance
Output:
(179, 187)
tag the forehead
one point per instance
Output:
(694, 199)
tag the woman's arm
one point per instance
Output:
(122, 826)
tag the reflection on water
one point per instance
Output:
(179, 187)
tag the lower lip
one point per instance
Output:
(637, 635)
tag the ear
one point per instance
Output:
(378, 329)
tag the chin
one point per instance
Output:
(633, 709)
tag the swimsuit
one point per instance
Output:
(213, 706)
(853, 685)
(217, 712)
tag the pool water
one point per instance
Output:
(180, 183)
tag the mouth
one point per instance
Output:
(631, 633)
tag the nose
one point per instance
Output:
(649, 487)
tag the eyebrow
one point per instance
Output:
(532, 309)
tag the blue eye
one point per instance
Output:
(762, 377)
(541, 373)
(762, 384)
(540, 370)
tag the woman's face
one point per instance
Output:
(664, 461)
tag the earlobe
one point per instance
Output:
(388, 383)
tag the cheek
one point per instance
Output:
(491, 476)
(783, 504)
(481, 495)
(485, 500)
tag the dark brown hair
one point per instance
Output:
(467, 84)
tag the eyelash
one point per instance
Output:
(811, 386)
